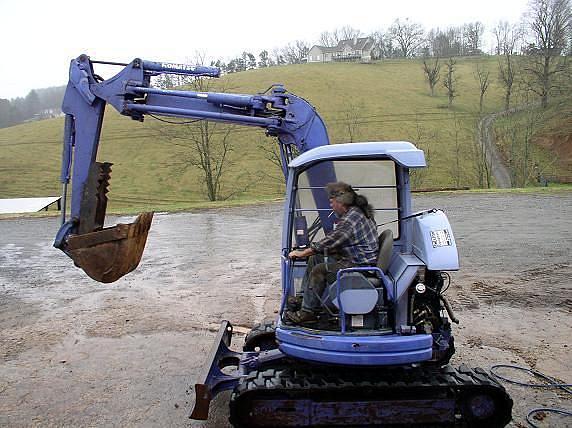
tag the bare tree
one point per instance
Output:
(302, 48)
(437, 43)
(207, 144)
(456, 38)
(272, 153)
(327, 39)
(424, 140)
(265, 61)
(352, 123)
(378, 42)
(450, 81)
(569, 49)
(550, 23)
(332, 38)
(383, 44)
(170, 81)
(456, 165)
(517, 135)
(473, 32)
(408, 35)
(249, 60)
(454, 41)
(432, 69)
(290, 54)
(507, 40)
(296, 53)
(278, 57)
(482, 76)
(348, 32)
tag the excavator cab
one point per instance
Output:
(359, 293)
(365, 312)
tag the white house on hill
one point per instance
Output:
(358, 49)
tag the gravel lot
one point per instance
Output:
(74, 352)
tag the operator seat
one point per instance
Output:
(359, 293)
(385, 242)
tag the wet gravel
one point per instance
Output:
(74, 352)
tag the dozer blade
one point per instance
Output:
(108, 254)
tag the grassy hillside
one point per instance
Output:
(548, 132)
(391, 98)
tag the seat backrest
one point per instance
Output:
(385, 250)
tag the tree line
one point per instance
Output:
(38, 104)
(545, 26)
(403, 39)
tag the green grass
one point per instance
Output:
(554, 125)
(150, 172)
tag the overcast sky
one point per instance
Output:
(39, 38)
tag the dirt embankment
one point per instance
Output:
(77, 353)
(561, 146)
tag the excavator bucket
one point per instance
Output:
(108, 254)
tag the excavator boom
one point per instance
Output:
(108, 253)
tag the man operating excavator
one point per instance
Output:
(353, 242)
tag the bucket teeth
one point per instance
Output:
(104, 175)
(94, 199)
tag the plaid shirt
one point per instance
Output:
(353, 242)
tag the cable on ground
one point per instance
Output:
(552, 383)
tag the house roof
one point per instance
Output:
(326, 48)
(361, 43)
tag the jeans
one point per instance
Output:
(317, 277)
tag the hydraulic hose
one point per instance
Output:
(449, 309)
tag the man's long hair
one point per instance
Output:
(345, 194)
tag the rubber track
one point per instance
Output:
(263, 332)
(303, 381)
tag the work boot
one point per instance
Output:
(294, 303)
(302, 317)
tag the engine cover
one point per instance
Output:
(433, 241)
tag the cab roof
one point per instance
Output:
(403, 153)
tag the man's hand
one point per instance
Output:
(300, 254)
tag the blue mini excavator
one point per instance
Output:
(378, 354)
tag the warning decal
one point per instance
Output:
(441, 238)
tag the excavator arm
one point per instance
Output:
(106, 254)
